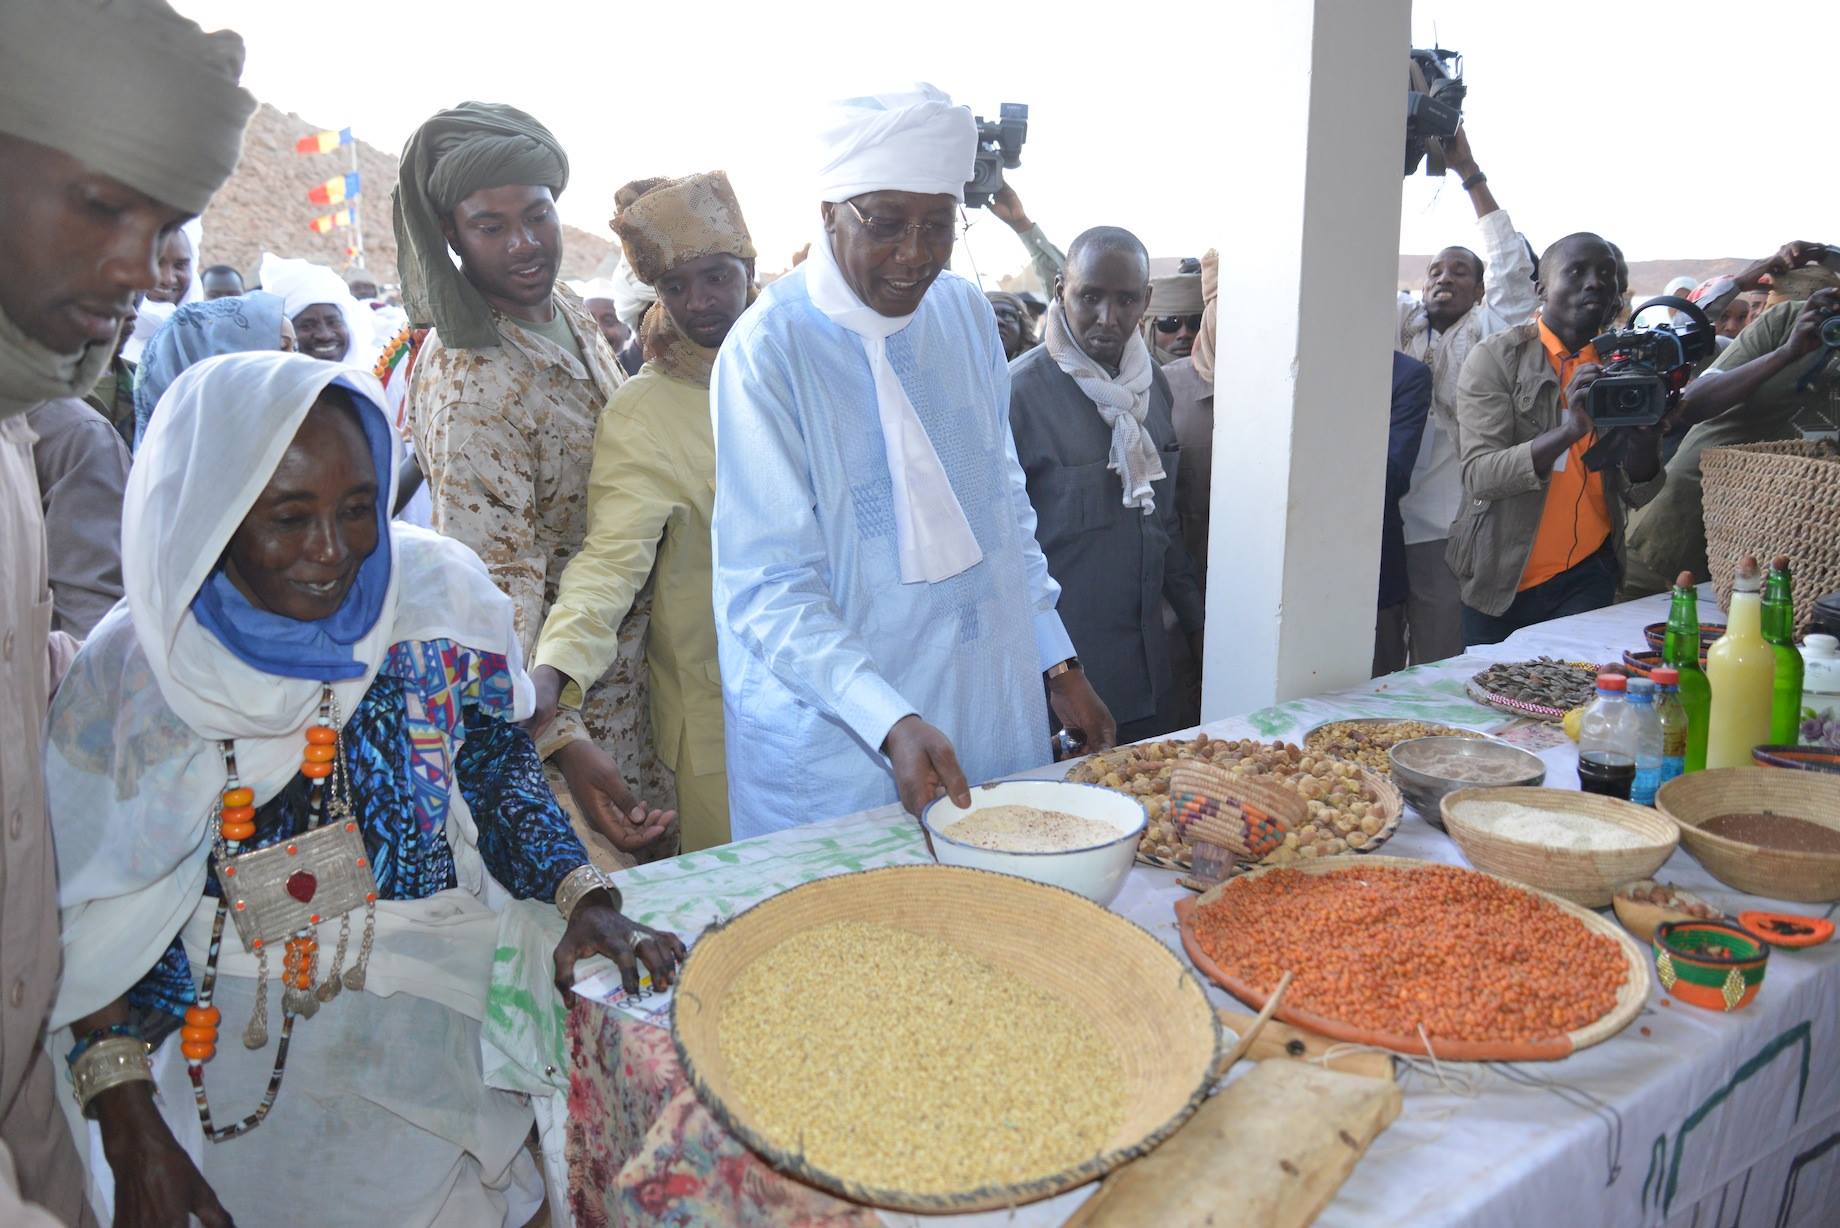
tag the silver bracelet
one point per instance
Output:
(576, 886)
(109, 1063)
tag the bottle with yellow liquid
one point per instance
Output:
(1741, 665)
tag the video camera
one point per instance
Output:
(1434, 105)
(1644, 372)
(999, 145)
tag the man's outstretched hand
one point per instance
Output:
(925, 765)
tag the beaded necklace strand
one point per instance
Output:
(329, 791)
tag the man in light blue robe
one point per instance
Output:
(883, 613)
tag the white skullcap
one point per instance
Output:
(913, 141)
(594, 287)
(1681, 285)
(631, 297)
(302, 283)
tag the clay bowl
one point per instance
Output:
(1640, 917)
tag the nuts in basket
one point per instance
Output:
(1347, 810)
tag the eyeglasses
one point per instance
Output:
(1175, 324)
(893, 229)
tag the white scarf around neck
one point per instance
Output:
(934, 538)
(1123, 401)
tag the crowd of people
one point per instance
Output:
(346, 628)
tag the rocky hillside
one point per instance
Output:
(264, 207)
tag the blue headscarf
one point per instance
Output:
(320, 650)
(198, 331)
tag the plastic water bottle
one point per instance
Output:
(1606, 759)
(1674, 721)
(1643, 723)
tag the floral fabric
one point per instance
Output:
(644, 1151)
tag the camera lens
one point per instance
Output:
(1830, 331)
(1629, 400)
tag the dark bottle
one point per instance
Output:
(1779, 630)
(1681, 650)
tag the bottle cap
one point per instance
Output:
(1684, 580)
(1665, 676)
(1642, 689)
(1611, 682)
(1780, 563)
(1747, 578)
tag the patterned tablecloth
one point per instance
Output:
(1685, 1118)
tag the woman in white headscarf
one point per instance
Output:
(294, 680)
(328, 321)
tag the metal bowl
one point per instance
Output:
(1425, 769)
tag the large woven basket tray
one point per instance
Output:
(1775, 874)
(1584, 876)
(1132, 988)
(1774, 498)
(1629, 998)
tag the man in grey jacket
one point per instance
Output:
(1090, 412)
(1540, 535)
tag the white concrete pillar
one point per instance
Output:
(1312, 119)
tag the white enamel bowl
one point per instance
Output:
(1096, 873)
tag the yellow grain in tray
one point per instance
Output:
(897, 1061)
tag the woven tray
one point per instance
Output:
(1156, 1014)
(1774, 498)
(1520, 707)
(1629, 1000)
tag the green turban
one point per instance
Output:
(458, 152)
(133, 91)
(128, 88)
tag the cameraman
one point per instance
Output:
(1748, 396)
(1465, 298)
(1049, 261)
(1540, 535)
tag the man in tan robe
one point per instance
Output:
(117, 122)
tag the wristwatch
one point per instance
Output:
(1055, 671)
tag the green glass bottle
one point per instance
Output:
(1779, 630)
(1681, 650)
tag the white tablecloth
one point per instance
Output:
(1686, 1118)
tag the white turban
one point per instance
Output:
(913, 141)
(302, 283)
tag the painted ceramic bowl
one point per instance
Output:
(1805, 758)
(1710, 964)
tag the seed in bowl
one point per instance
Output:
(1559, 829)
(1469, 769)
(899, 1061)
(1367, 742)
(1029, 829)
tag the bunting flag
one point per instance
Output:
(322, 142)
(327, 223)
(336, 190)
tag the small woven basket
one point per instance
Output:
(1774, 498)
(1134, 990)
(1774, 874)
(1584, 876)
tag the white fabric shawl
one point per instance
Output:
(301, 283)
(1123, 401)
(133, 765)
(934, 538)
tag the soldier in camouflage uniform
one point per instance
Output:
(503, 403)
